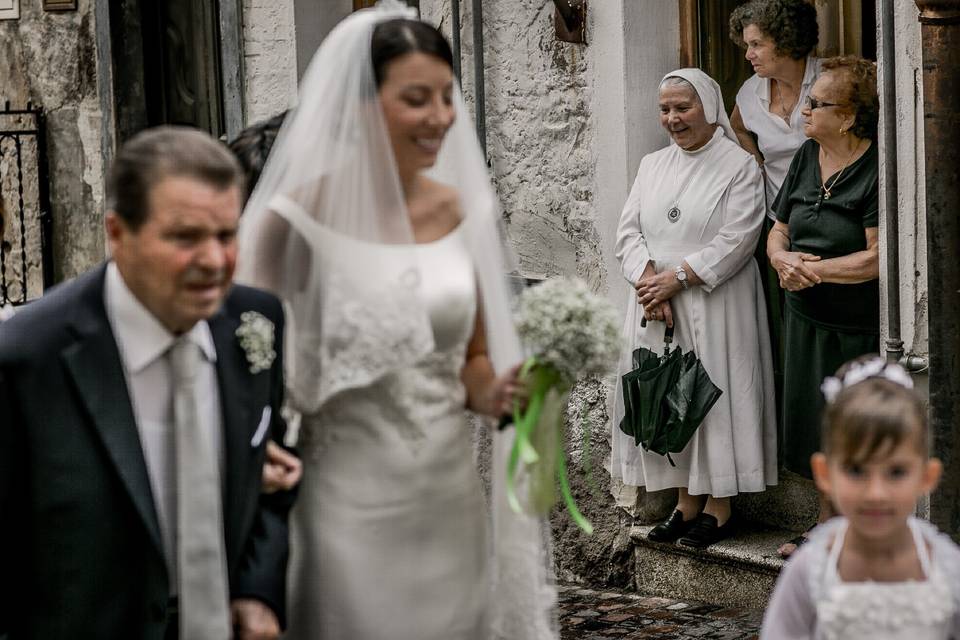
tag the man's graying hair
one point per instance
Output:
(165, 152)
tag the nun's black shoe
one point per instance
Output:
(706, 532)
(671, 529)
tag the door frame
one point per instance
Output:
(232, 75)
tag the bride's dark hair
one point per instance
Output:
(394, 38)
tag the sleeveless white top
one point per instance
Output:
(909, 610)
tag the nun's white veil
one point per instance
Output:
(710, 97)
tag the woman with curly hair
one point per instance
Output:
(779, 37)
(824, 250)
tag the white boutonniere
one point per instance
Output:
(256, 337)
(6, 312)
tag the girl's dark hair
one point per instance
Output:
(858, 79)
(791, 24)
(394, 38)
(252, 146)
(871, 416)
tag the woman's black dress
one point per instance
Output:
(826, 324)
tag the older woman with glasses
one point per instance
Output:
(824, 249)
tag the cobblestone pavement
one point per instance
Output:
(587, 614)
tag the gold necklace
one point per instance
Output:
(825, 190)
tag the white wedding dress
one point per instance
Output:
(390, 527)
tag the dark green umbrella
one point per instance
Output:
(645, 389)
(666, 398)
(689, 401)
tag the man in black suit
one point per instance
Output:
(98, 534)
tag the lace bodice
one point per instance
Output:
(410, 396)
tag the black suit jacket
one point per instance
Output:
(79, 535)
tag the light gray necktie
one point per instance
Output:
(201, 559)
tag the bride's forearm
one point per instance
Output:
(479, 379)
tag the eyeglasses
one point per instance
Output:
(813, 103)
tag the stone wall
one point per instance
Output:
(50, 59)
(539, 133)
(270, 58)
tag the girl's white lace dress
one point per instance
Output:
(811, 601)
(390, 527)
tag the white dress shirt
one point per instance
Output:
(778, 141)
(143, 343)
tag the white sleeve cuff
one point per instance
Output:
(705, 273)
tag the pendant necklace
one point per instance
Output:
(824, 191)
(673, 213)
(784, 114)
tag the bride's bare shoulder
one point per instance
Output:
(441, 200)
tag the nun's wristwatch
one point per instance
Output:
(681, 276)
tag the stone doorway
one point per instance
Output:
(167, 65)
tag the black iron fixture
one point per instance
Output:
(570, 20)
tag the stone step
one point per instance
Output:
(740, 571)
(792, 504)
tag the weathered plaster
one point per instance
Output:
(62, 79)
(270, 57)
(539, 135)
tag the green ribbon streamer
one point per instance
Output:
(540, 381)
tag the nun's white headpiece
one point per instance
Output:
(710, 97)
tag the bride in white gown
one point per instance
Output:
(376, 223)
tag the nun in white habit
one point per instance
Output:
(685, 244)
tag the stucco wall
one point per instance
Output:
(540, 138)
(63, 80)
(270, 58)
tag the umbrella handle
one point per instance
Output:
(667, 334)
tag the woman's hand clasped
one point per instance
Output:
(657, 288)
(661, 312)
(794, 269)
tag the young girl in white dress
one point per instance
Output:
(875, 571)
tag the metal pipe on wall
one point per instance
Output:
(455, 35)
(479, 89)
(888, 106)
(940, 35)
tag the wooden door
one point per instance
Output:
(705, 43)
(182, 64)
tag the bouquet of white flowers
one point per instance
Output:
(572, 333)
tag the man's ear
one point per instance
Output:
(821, 472)
(932, 471)
(115, 227)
